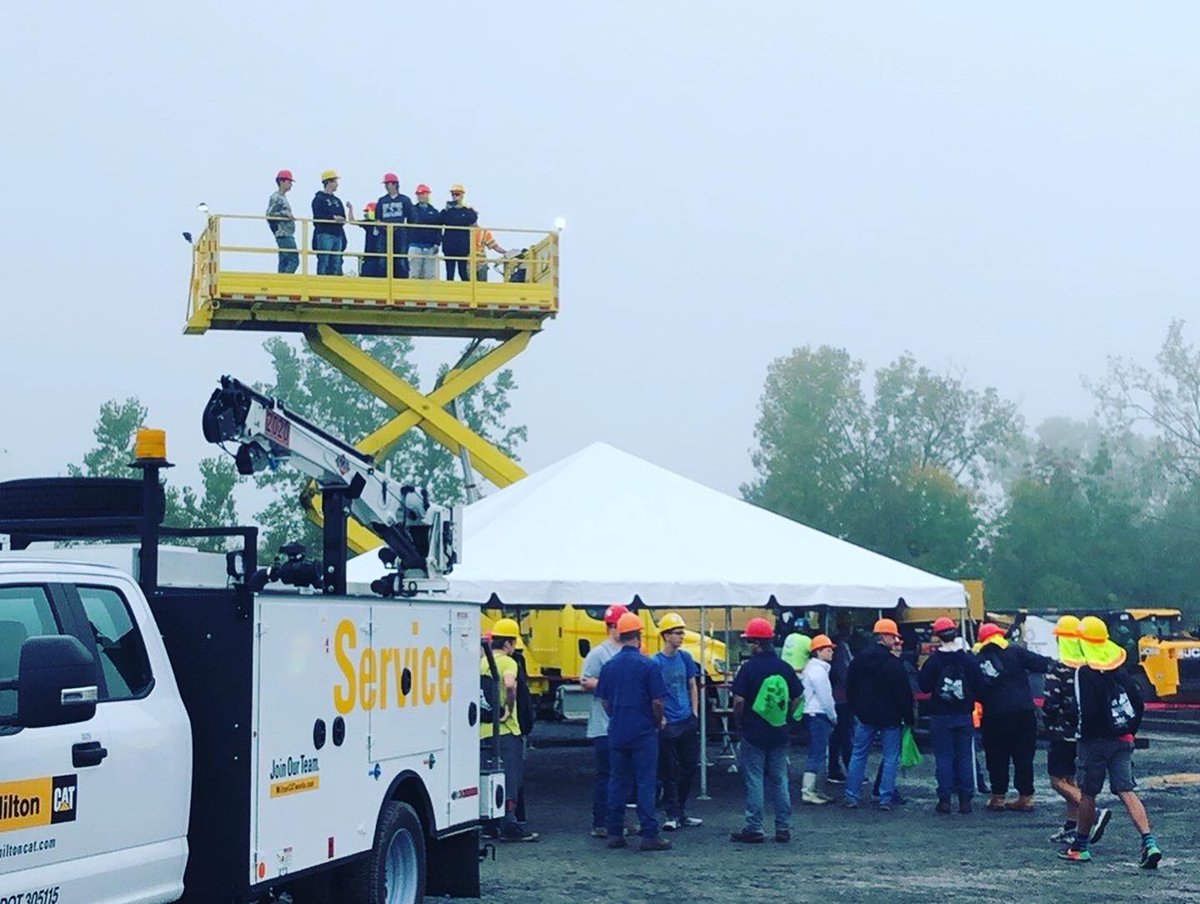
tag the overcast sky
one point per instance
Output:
(1007, 190)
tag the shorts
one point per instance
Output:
(1060, 759)
(1103, 756)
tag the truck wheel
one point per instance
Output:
(394, 871)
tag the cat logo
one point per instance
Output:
(38, 802)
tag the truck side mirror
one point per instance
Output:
(56, 682)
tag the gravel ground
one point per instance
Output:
(864, 855)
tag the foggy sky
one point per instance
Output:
(1005, 190)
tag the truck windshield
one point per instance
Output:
(1162, 627)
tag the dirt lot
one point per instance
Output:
(864, 855)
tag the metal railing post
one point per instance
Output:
(704, 706)
(304, 246)
(390, 263)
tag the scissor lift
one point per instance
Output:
(234, 287)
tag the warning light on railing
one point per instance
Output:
(203, 208)
(560, 223)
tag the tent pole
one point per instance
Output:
(703, 707)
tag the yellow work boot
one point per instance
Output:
(1023, 804)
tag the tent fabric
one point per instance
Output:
(603, 526)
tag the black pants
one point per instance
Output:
(1010, 737)
(399, 266)
(678, 757)
(463, 268)
(841, 742)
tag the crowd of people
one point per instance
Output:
(644, 727)
(411, 234)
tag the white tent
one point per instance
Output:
(604, 526)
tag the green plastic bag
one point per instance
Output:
(772, 700)
(910, 753)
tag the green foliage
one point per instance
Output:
(901, 474)
(116, 432)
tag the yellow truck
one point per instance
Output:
(555, 642)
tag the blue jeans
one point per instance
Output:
(954, 754)
(633, 767)
(766, 767)
(289, 260)
(328, 264)
(600, 785)
(820, 729)
(864, 737)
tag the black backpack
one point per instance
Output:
(519, 273)
(952, 682)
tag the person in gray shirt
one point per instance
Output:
(282, 223)
(597, 727)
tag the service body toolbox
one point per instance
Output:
(232, 741)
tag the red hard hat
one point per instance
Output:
(422, 189)
(989, 630)
(284, 174)
(613, 613)
(758, 629)
(390, 177)
(943, 624)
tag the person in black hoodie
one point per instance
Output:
(393, 209)
(1009, 721)
(456, 242)
(329, 231)
(1110, 713)
(881, 699)
(951, 678)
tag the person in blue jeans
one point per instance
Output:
(881, 699)
(597, 727)
(631, 689)
(952, 679)
(329, 231)
(679, 740)
(820, 715)
(766, 693)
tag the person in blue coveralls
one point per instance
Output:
(631, 689)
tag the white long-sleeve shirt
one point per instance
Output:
(818, 692)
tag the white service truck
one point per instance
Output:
(162, 740)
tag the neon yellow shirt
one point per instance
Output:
(506, 666)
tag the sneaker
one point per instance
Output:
(884, 808)
(783, 836)
(745, 836)
(599, 832)
(670, 825)
(1103, 818)
(1063, 836)
(836, 779)
(1150, 855)
(692, 822)
(848, 804)
(657, 843)
(491, 832)
(517, 835)
(1076, 855)
(618, 842)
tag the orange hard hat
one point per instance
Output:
(284, 174)
(758, 629)
(390, 177)
(988, 631)
(613, 613)
(886, 626)
(944, 624)
(820, 642)
(628, 623)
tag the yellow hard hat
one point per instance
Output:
(670, 622)
(329, 174)
(1067, 626)
(457, 186)
(1093, 629)
(505, 628)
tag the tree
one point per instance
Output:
(903, 474)
(325, 396)
(116, 433)
(1166, 402)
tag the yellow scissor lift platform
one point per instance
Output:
(235, 286)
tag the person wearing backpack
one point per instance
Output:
(766, 693)
(1110, 712)
(951, 678)
(499, 704)
(1009, 720)
(1060, 720)
(882, 702)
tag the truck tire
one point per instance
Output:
(72, 497)
(394, 871)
